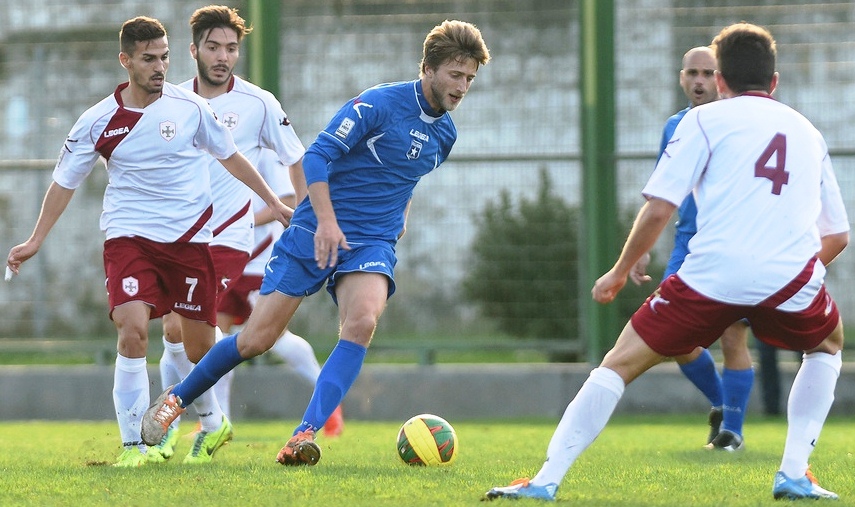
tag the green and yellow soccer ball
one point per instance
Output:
(427, 439)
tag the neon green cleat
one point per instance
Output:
(207, 443)
(166, 448)
(130, 458)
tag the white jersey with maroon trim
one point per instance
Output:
(765, 191)
(257, 122)
(277, 176)
(158, 178)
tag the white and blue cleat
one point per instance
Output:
(523, 488)
(796, 489)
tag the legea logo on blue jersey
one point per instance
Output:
(418, 135)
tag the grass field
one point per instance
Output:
(637, 461)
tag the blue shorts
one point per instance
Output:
(292, 269)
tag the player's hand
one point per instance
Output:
(638, 273)
(20, 253)
(328, 239)
(606, 288)
(282, 213)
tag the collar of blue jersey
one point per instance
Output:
(423, 103)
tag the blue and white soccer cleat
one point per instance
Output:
(523, 488)
(796, 489)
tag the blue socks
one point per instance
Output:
(338, 374)
(221, 359)
(702, 372)
(737, 388)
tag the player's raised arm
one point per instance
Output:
(649, 224)
(243, 170)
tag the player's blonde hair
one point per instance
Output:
(453, 40)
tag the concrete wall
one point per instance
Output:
(384, 392)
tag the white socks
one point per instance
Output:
(223, 388)
(174, 362)
(298, 354)
(293, 349)
(131, 398)
(582, 423)
(808, 405)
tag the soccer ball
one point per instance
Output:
(427, 439)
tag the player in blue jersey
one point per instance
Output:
(361, 172)
(727, 393)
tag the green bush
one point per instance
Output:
(524, 264)
(525, 267)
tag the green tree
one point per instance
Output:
(524, 264)
(524, 272)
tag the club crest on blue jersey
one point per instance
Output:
(167, 130)
(230, 120)
(415, 150)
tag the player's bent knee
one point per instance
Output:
(251, 344)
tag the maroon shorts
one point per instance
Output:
(168, 277)
(236, 301)
(675, 319)
(228, 266)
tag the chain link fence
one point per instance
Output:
(521, 116)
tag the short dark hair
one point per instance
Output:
(453, 40)
(746, 55)
(216, 16)
(139, 29)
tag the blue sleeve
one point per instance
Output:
(352, 123)
(668, 131)
(315, 166)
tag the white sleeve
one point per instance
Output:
(78, 155)
(278, 134)
(275, 174)
(213, 136)
(681, 164)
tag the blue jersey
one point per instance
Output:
(377, 147)
(688, 211)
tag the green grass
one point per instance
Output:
(641, 460)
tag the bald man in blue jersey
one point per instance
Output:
(360, 172)
(729, 392)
